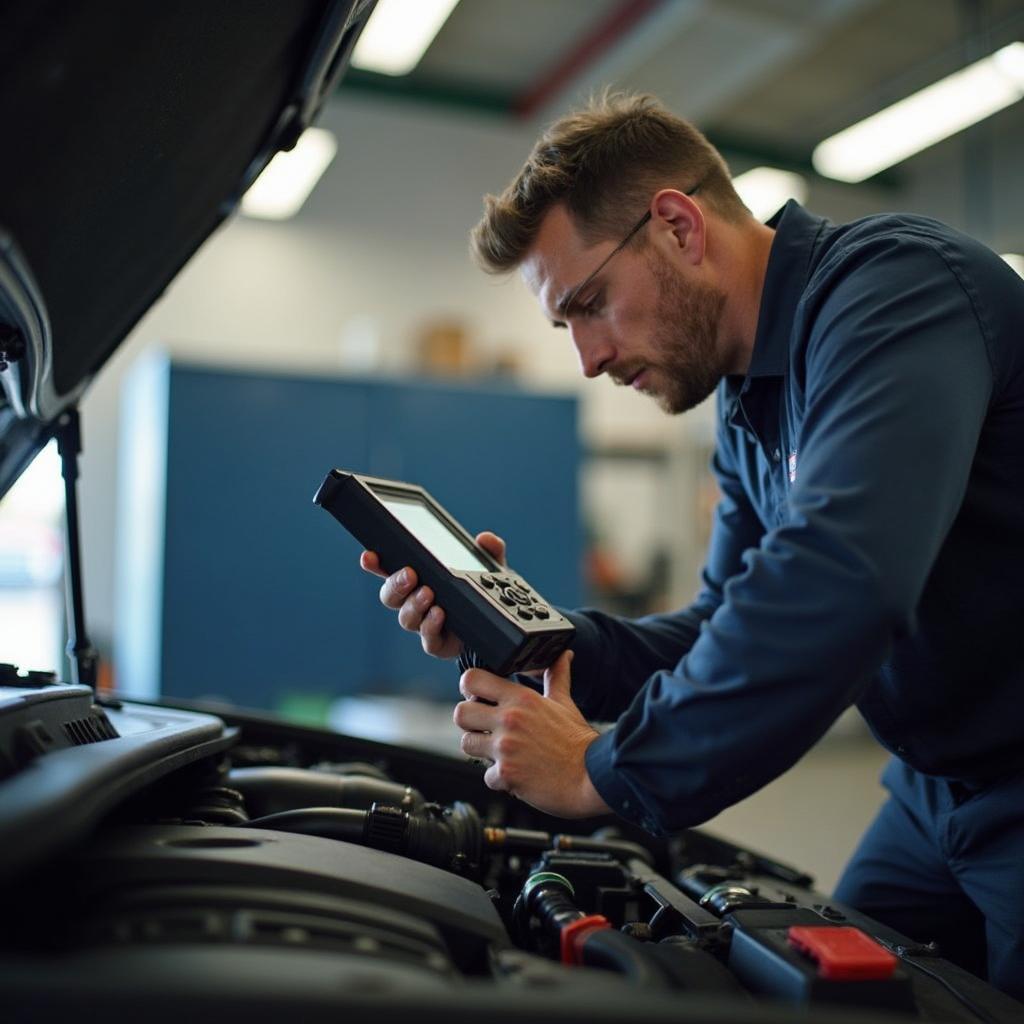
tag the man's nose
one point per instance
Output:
(595, 351)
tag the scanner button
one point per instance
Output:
(505, 599)
(541, 612)
(487, 581)
(524, 613)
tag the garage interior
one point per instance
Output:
(365, 294)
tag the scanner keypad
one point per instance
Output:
(516, 595)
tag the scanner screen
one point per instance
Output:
(433, 533)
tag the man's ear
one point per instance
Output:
(679, 223)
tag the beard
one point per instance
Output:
(687, 366)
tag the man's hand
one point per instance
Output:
(417, 612)
(536, 743)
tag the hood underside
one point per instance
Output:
(132, 130)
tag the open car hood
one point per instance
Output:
(131, 131)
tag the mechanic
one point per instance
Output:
(867, 548)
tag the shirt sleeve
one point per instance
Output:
(614, 657)
(897, 384)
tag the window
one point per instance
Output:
(31, 567)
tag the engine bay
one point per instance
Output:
(168, 861)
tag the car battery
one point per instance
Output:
(797, 956)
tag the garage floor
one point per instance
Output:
(813, 816)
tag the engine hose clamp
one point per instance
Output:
(546, 878)
(723, 889)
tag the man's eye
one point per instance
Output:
(593, 306)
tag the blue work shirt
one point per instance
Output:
(868, 547)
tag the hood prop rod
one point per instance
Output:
(80, 651)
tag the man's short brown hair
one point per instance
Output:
(604, 163)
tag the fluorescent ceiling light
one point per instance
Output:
(1016, 261)
(919, 121)
(286, 182)
(765, 189)
(398, 34)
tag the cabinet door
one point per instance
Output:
(261, 594)
(262, 598)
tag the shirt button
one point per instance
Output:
(625, 805)
(901, 750)
(776, 455)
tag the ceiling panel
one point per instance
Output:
(765, 78)
(878, 55)
(509, 46)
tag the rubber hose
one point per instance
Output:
(327, 822)
(607, 948)
(270, 790)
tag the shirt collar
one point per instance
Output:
(789, 261)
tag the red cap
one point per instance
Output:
(843, 954)
(572, 936)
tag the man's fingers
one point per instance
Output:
(476, 744)
(417, 612)
(495, 779)
(492, 544)
(433, 620)
(397, 587)
(477, 682)
(475, 716)
(369, 562)
(414, 609)
(433, 636)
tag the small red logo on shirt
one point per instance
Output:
(792, 467)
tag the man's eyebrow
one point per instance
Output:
(563, 304)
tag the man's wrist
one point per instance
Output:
(612, 789)
(592, 803)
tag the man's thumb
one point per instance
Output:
(558, 679)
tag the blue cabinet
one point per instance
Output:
(233, 584)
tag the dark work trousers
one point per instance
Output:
(944, 862)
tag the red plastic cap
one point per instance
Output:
(572, 936)
(843, 954)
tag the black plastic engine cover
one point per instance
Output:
(133, 856)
